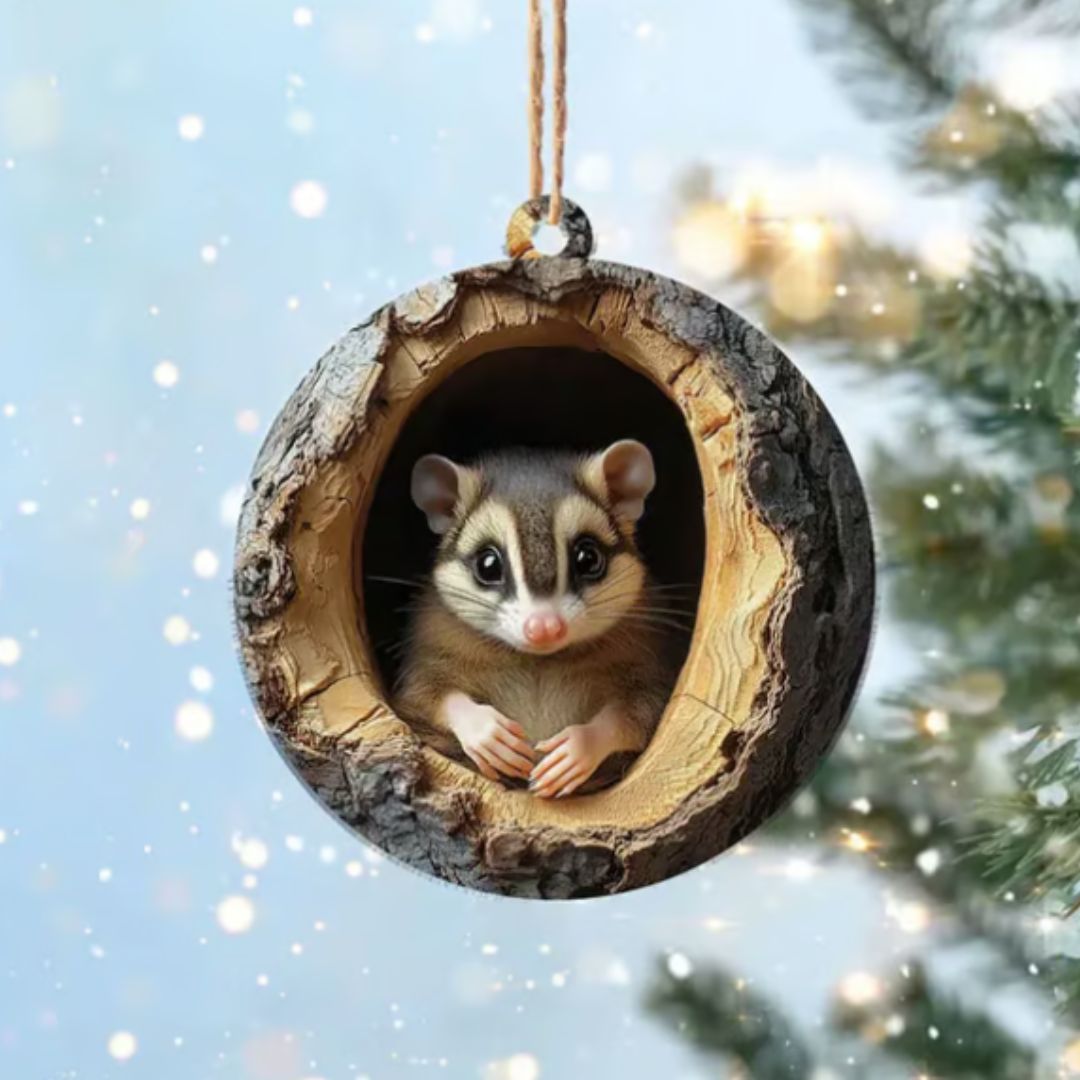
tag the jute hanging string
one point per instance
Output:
(536, 106)
(760, 514)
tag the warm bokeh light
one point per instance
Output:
(802, 287)
(521, 1066)
(1070, 1058)
(857, 841)
(911, 916)
(947, 253)
(935, 722)
(859, 988)
(711, 240)
(808, 235)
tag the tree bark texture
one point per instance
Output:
(783, 625)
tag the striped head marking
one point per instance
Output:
(537, 548)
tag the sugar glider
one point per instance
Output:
(538, 644)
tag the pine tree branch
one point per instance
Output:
(1057, 17)
(721, 1015)
(931, 1032)
(902, 62)
(899, 57)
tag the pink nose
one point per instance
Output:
(544, 629)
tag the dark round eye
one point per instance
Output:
(588, 561)
(488, 566)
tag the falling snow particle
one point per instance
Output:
(425, 33)
(177, 630)
(166, 374)
(230, 504)
(300, 121)
(442, 257)
(929, 861)
(236, 914)
(28, 507)
(594, 173)
(247, 421)
(122, 1045)
(1053, 796)
(209, 254)
(521, 1067)
(139, 509)
(190, 127)
(252, 852)
(10, 652)
(931, 502)
(308, 199)
(194, 721)
(679, 966)
(303, 17)
(206, 563)
(201, 680)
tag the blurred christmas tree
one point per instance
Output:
(964, 785)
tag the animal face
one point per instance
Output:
(538, 549)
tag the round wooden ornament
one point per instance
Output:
(759, 505)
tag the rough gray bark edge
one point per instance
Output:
(795, 469)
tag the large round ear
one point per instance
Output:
(624, 474)
(436, 487)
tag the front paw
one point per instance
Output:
(571, 757)
(494, 743)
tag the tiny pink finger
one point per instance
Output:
(549, 762)
(521, 765)
(551, 743)
(492, 761)
(550, 782)
(522, 746)
(512, 725)
(574, 784)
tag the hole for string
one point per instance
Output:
(549, 239)
(529, 236)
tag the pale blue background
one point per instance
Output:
(103, 212)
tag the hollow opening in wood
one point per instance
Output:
(538, 397)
